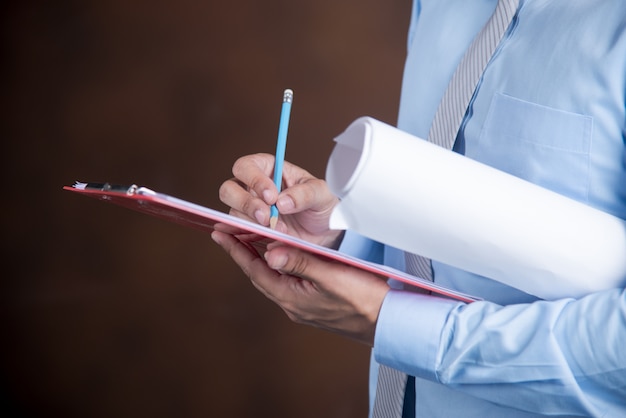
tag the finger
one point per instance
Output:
(308, 194)
(245, 257)
(258, 242)
(228, 229)
(288, 260)
(242, 203)
(351, 292)
(258, 217)
(255, 172)
(321, 271)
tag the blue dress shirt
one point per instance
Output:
(550, 108)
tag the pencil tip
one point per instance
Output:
(273, 222)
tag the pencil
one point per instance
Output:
(281, 144)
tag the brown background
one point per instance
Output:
(109, 313)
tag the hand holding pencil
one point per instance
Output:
(305, 203)
(310, 289)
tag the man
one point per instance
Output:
(550, 107)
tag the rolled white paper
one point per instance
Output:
(408, 193)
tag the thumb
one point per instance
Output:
(287, 260)
(291, 261)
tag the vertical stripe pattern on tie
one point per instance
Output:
(443, 131)
(455, 100)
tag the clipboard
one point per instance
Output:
(191, 215)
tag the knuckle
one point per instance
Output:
(254, 184)
(232, 193)
(243, 164)
(317, 184)
(299, 266)
(308, 191)
(311, 190)
(248, 205)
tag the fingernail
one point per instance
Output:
(267, 196)
(285, 204)
(216, 237)
(259, 216)
(275, 261)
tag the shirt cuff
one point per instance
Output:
(408, 332)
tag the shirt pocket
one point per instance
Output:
(544, 145)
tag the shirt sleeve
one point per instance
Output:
(557, 357)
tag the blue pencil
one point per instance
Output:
(281, 144)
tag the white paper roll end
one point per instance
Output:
(338, 220)
(349, 156)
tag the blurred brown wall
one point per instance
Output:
(109, 313)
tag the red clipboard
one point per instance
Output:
(202, 218)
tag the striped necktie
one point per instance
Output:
(390, 391)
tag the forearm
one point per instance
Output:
(546, 356)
